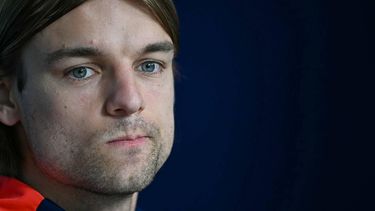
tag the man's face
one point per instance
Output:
(97, 107)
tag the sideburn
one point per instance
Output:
(20, 76)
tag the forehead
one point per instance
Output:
(109, 23)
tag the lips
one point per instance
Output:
(134, 140)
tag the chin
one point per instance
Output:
(127, 186)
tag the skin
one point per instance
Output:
(74, 105)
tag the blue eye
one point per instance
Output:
(150, 67)
(81, 73)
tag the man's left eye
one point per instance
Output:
(149, 67)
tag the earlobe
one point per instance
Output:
(9, 114)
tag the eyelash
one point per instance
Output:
(160, 65)
(70, 73)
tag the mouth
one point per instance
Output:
(129, 141)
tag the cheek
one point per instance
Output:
(51, 120)
(159, 102)
(160, 107)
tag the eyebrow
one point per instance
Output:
(158, 47)
(165, 46)
(72, 52)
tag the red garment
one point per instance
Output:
(16, 195)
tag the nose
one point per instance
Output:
(125, 97)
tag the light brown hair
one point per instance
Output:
(20, 20)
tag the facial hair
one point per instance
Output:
(93, 170)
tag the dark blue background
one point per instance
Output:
(274, 108)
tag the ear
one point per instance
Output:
(9, 114)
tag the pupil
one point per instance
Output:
(80, 73)
(149, 67)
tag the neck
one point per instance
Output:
(73, 198)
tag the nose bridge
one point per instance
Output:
(125, 96)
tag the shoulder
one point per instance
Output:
(16, 195)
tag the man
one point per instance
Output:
(86, 101)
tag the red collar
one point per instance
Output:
(16, 195)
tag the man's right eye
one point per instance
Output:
(81, 73)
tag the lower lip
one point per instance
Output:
(128, 142)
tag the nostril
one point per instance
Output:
(141, 108)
